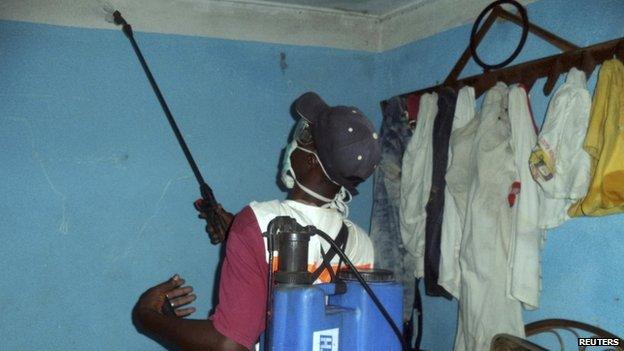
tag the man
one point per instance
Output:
(332, 151)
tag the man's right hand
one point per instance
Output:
(213, 230)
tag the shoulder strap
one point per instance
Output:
(341, 241)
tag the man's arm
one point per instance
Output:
(184, 334)
(239, 317)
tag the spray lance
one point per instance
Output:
(207, 204)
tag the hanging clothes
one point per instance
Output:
(413, 105)
(385, 232)
(486, 305)
(605, 145)
(416, 181)
(435, 205)
(524, 274)
(459, 175)
(558, 162)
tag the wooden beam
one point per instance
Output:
(553, 39)
(526, 73)
(499, 12)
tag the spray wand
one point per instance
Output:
(207, 204)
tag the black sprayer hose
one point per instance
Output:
(370, 292)
(271, 232)
(206, 191)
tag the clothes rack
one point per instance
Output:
(584, 58)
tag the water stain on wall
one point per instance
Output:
(282, 62)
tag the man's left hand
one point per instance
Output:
(171, 292)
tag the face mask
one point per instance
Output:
(302, 135)
(288, 177)
(341, 202)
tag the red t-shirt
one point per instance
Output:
(240, 314)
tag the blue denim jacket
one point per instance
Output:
(385, 228)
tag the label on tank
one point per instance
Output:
(325, 340)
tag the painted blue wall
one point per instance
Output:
(582, 261)
(97, 197)
(96, 194)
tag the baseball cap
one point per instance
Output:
(345, 140)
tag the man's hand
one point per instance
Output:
(178, 333)
(224, 216)
(172, 292)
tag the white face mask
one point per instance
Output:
(288, 177)
(287, 173)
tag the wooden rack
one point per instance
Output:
(527, 73)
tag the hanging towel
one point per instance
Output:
(605, 145)
(558, 162)
(416, 181)
(459, 175)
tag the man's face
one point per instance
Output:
(302, 162)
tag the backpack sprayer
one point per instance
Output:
(208, 204)
(347, 314)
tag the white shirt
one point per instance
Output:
(359, 247)
(559, 163)
(416, 171)
(524, 275)
(500, 242)
(459, 175)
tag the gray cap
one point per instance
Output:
(345, 140)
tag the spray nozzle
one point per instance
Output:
(118, 19)
(112, 15)
(108, 12)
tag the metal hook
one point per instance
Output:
(618, 51)
(588, 64)
(553, 76)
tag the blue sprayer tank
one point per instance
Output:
(316, 318)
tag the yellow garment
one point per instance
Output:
(605, 145)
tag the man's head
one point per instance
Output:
(344, 140)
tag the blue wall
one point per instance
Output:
(96, 194)
(97, 197)
(582, 261)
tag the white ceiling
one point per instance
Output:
(367, 25)
(371, 7)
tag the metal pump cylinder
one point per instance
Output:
(293, 258)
